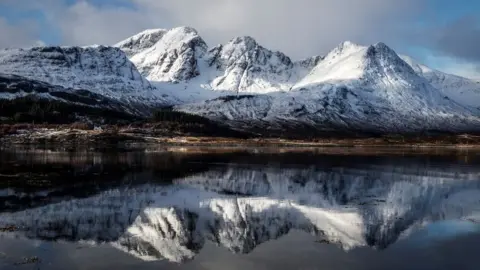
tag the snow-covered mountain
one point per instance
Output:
(103, 70)
(359, 88)
(245, 67)
(353, 88)
(83, 104)
(462, 90)
(141, 41)
(166, 55)
(242, 207)
(242, 65)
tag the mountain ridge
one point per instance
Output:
(354, 87)
(103, 70)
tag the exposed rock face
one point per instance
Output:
(141, 41)
(246, 66)
(241, 65)
(169, 56)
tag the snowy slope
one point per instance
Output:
(462, 90)
(169, 56)
(360, 88)
(353, 88)
(13, 87)
(372, 205)
(247, 67)
(178, 62)
(103, 70)
(377, 71)
(182, 57)
(141, 41)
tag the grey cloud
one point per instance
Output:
(299, 28)
(13, 36)
(460, 39)
(85, 24)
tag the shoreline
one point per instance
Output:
(72, 138)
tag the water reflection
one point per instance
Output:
(169, 205)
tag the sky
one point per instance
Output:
(443, 34)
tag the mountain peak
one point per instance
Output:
(344, 49)
(141, 41)
(180, 36)
(374, 67)
(380, 45)
(381, 57)
(170, 55)
(249, 67)
(248, 41)
(151, 32)
(380, 48)
(165, 38)
(244, 50)
(185, 29)
(347, 46)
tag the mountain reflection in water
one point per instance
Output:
(170, 205)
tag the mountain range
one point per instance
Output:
(247, 86)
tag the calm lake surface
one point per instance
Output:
(255, 208)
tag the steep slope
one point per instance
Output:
(354, 88)
(247, 67)
(459, 89)
(180, 56)
(103, 70)
(25, 100)
(378, 70)
(141, 41)
(166, 56)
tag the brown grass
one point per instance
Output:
(81, 126)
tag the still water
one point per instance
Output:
(207, 208)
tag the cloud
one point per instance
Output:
(452, 47)
(19, 35)
(460, 39)
(86, 24)
(299, 28)
(464, 69)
